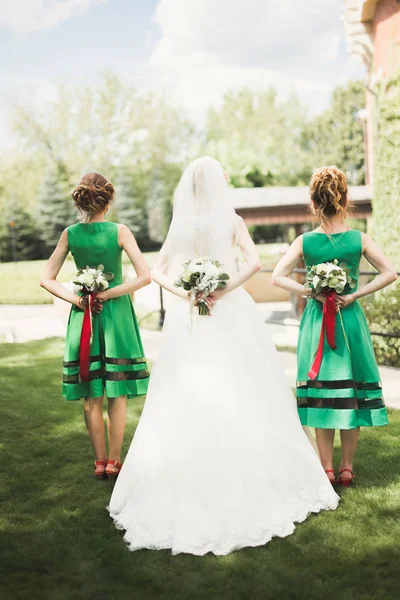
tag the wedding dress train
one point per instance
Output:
(219, 460)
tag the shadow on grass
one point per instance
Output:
(58, 542)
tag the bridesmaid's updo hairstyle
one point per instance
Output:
(93, 194)
(328, 193)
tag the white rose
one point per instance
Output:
(315, 280)
(211, 270)
(102, 286)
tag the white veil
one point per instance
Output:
(204, 222)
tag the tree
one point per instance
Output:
(55, 206)
(258, 138)
(336, 135)
(156, 208)
(130, 205)
(18, 228)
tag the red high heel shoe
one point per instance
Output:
(115, 463)
(100, 463)
(347, 481)
(333, 481)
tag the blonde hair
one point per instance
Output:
(328, 193)
(93, 194)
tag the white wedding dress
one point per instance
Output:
(219, 460)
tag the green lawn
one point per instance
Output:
(21, 280)
(58, 543)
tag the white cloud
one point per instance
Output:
(24, 16)
(209, 46)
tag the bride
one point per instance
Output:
(219, 460)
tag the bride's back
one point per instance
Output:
(204, 222)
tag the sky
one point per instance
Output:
(196, 49)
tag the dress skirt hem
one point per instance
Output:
(327, 418)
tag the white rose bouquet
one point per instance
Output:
(201, 277)
(329, 279)
(329, 276)
(91, 281)
(88, 282)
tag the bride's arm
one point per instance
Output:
(253, 264)
(159, 274)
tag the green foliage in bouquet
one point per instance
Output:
(202, 276)
(91, 280)
(328, 276)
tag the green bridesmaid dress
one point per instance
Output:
(117, 363)
(347, 391)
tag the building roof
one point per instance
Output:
(268, 197)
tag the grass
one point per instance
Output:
(22, 278)
(58, 543)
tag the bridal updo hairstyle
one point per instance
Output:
(93, 194)
(328, 193)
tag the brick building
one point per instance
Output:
(373, 34)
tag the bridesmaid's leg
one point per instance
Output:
(116, 427)
(93, 411)
(325, 439)
(349, 439)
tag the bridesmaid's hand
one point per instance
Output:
(343, 301)
(97, 305)
(81, 302)
(102, 296)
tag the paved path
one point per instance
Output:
(24, 323)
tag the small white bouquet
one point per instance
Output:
(328, 277)
(90, 281)
(201, 277)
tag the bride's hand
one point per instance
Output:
(217, 294)
(206, 300)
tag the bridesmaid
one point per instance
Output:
(117, 363)
(347, 392)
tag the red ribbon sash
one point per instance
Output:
(86, 335)
(328, 326)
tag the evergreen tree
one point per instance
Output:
(55, 207)
(157, 203)
(19, 235)
(130, 207)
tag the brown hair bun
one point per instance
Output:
(328, 193)
(93, 194)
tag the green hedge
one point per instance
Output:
(383, 314)
(383, 310)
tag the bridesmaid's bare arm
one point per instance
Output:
(280, 276)
(128, 243)
(48, 279)
(376, 258)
